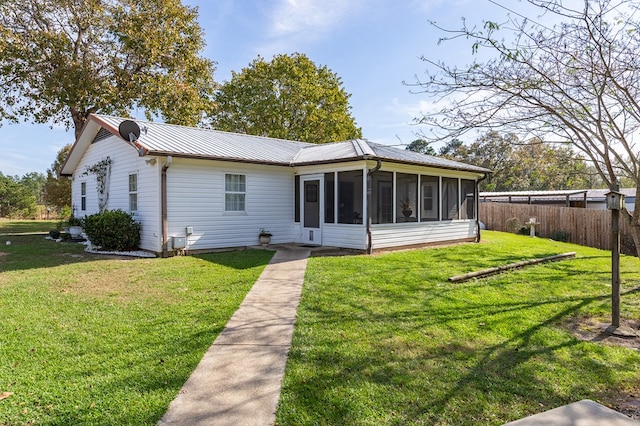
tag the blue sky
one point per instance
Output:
(373, 45)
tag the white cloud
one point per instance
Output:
(310, 18)
(412, 110)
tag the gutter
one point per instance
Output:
(163, 207)
(477, 202)
(369, 237)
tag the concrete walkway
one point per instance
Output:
(581, 413)
(238, 380)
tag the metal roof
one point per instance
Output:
(571, 194)
(181, 141)
(590, 194)
(363, 149)
(385, 152)
(171, 139)
(559, 193)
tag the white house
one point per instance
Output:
(199, 189)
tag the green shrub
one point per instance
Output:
(75, 221)
(561, 235)
(113, 230)
(513, 225)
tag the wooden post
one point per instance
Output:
(615, 264)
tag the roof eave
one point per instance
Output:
(217, 158)
(366, 157)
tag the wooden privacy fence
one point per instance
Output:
(586, 227)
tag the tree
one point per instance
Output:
(57, 187)
(61, 60)
(289, 98)
(421, 146)
(451, 149)
(16, 199)
(492, 151)
(578, 81)
(35, 182)
(521, 166)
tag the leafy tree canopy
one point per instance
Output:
(57, 187)
(17, 199)
(522, 166)
(63, 59)
(421, 146)
(289, 98)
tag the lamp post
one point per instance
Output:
(615, 203)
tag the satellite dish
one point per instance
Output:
(129, 130)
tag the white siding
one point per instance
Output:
(401, 234)
(345, 236)
(124, 161)
(196, 199)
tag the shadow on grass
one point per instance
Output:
(429, 352)
(505, 368)
(438, 371)
(20, 226)
(35, 251)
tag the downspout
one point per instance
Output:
(369, 238)
(478, 206)
(163, 204)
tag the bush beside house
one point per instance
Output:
(113, 230)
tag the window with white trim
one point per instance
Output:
(83, 196)
(133, 192)
(235, 192)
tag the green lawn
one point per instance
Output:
(19, 226)
(381, 339)
(97, 340)
(386, 340)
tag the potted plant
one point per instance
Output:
(264, 236)
(405, 204)
(74, 225)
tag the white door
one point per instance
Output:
(311, 208)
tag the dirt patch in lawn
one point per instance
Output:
(628, 336)
(594, 330)
(3, 253)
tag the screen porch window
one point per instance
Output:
(430, 198)
(133, 192)
(350, 200)
(450, 198)
(382, 197)
(235, 192)
(468, 199)
(329, 198)
(407, 197)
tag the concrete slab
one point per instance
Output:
(259, 325)
(232, 385)
(581, 413)
(238, 381)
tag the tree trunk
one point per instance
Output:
(79, 118)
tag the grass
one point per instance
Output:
(386, 340)
(20, 226)
(88, 339)
(382, 339)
